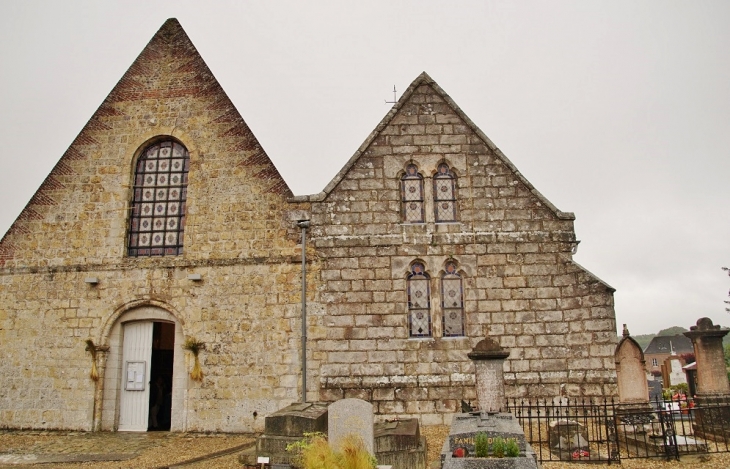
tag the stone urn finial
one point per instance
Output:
(626, 331)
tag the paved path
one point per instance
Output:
(149, 449)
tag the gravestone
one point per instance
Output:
(633, 390)
(351, 417)
(488, 358)
(458, 451)
(284, 427)
(674, 372)
(399, 443)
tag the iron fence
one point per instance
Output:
(589, 430)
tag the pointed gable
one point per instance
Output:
(167, 91)
(404, 119)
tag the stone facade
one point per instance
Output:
(237, 237)
(510, 247)
(513, 252)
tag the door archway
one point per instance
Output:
(145, 375)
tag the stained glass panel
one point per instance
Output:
(412, 195)
(419, 302)
(444, 194)
(158, 204)
(452, 301)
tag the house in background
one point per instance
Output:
(661, 347)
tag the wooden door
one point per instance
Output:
(135, 392)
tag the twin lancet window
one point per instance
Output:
(444, 195)
(157, 218)
(419, 301)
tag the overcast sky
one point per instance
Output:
(618, 111)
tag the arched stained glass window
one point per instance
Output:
(444, 194)
(412, 195)
(419, 302)
(157, 219)
(452, 301)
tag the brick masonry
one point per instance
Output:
(512, 247)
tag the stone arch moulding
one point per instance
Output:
(108, 395)
(122, 309)
(158, 134)
(135, 148)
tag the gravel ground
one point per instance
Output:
(160, 450)
(169, 449)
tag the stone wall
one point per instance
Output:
(240, 236)
(513, 249)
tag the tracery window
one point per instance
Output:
(157, 219)
(412, 195)
(419, 301)
(444, 194)
(452, 301)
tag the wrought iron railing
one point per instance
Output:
(604, 430)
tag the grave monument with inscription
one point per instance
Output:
(489, 420)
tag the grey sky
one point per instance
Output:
(618, 111)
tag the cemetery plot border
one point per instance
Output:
(604, 431)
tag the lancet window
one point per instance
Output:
(444, 194)
(452, 301)
(412, 195)
(419, 301)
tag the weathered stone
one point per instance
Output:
(351, 417)
(297, 419)
(511, 248)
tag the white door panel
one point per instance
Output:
(135, 390)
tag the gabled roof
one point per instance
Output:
(668, 343)
(167, 69)
(424, 79)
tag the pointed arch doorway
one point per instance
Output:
(145, 375)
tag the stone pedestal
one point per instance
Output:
(712, 415)
(458, 451)
(488, 358)
(711, 375)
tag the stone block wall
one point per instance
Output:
(511, 246)
(240, 236)
(513, 250)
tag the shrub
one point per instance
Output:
(481, 445)
(512, 449)
(498, 447)
(354, 455)
(314, 452)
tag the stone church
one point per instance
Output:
(166, 221)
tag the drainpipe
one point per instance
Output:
(304, 224)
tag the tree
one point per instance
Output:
(674, 330)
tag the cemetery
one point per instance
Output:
(500, 433)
